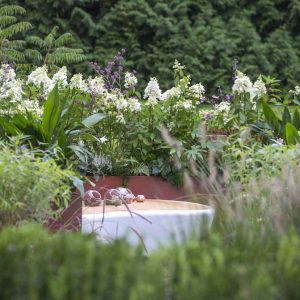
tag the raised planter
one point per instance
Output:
(70, 219)
(150, 186)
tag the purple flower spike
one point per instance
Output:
(228, 97)
(208, 116)
(202, 100)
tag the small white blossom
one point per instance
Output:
(222, 110)
(11, 90)
(151, 102)
(76, 82)
(10, 87)
(173, 92)
(81, 143)
(152, 91)
(259, 88)
(121, 103)
(103, 140)
(96, 86)
(242, 84)
(130, 80)
(186, 105)
(31, 106)
(60, 78)
(7, 73)
(296, 91)
(178, 66)
(197, 90)
(134, 105)
(40, 79)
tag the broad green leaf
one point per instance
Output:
(52, 111)
(8, 127)
(286, 116)
(93, 119)
(292, 136)
(271, 117)
(78, 183)
(296, 119)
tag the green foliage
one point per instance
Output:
(53, 50)
(10, 50)
(206, 36)
(283, 127)
(29, 182)
(249, 254)
(292, 136)
(61, 124)
(249, 160)
(271, 117)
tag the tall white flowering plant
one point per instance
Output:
(181, 104)
(247, 97)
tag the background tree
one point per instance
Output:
(53, 50)
(10, 50)
(205, 35)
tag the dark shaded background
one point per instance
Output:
(205, 35)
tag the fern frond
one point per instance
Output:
(8, 10)
(63, 40)
(37, 41)
(15, 55)
(33, 55)
(14, 29)
(7, 20)
(50, 38)
(63, 58)
(16, 44)
(63, 50)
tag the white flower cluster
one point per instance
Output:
(10, 87)
(31, 106)
(296, 91)
(60, 78)
(130, 80)
(11, 90)
(178, 66)
(197, 90)
(40, 79)
(243, 84)
(152, 92)
(95, 86)
(77, 82)
(259, 88)
(222, 110)
(186, 105)
(134, 104)
(174, 92)
(120, 103)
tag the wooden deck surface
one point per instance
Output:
(149, 204)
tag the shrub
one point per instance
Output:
(252, 252)
(28, 183)
(35, 265)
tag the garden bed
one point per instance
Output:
(150, 186)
